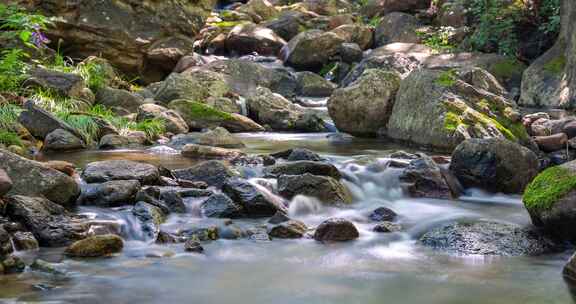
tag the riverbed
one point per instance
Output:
(376, 268)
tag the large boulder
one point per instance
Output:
(214, 173)
(487, 238)
(336, 230)
(199, 116)
(313, 85)
(496, 165)
(259, 9)
(5, 183)
(397, 27)
(221, 206)
(244, 76)
(311, 49)
(280, 114)
(356, 33)
(209, 152)
(121, 101)
(424, 178)
(150, 217)
(248, 38)
(34, 179)
(145, 37)
(396, 62)
(288, 24)
(96, 246)
(303, 166)
(111, 194)
(104, 171)
(50, 223)
(66, 84)
(382, 7)
(439, 109)
(196, 85)
(551, 200)
(364, 107)
(326, 189)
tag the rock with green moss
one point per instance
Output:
(199, 116)
(196, 85)
(311, 49)
(364, 107)
(494, 164)
(96, 246)
(259, 10)
(551, 200)
(439, 109)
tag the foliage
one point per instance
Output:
(549, 16)
(438, 39)
(153, 128)
(548, 187)
(9, 117)
(16, 23)
(84, 124)
(9, 138)
(447, 78)
(12, 69)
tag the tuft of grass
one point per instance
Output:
(548, 187)
(153, 128)
(94, 74)
(85, 125)
(9, 117)
(9, 138)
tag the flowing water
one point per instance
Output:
(376, 268)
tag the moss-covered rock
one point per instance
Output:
(194, 85)
(311, 49)
(439, 109)
(96, 246)
(199, 116)
(551, 200)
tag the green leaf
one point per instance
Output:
(25, 36)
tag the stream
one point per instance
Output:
(376, 268)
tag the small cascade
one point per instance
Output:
(303, 205)
(241, 102)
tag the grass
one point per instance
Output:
(9, 138)
(548, 187)
(9, 117)
(447, 78)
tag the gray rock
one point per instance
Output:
(62, 140)
(254, 202)
(214, 173)
(297, 154)
(150, 217)
(193, 246)
(115, 141)
(34, 179)
(111, 194)
(220, 205)
(487, 238)
(383, 214)
(5, 183)
(324, 188)
(424, 178)
(96, 246)
(336, 230)
(397, 27)
(291, 229)
(322, 45)
(301, 167)
(24, 241)
(313, 85)
(248, 38)
(385, 227)
(104, 171)
(40, 122)
(173, 121)
(67, 84)
(119, 99)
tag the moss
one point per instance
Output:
(507, 69)
(452, 121)
(197, 110)
(227, 24)
(8, 138)
(446, 78)
(548, 187)
(556, 65)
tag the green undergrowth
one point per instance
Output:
(548, 187)
(447, 78)
(9, 138)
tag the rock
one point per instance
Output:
(50, 223)
(297, 154)
(397, 27)
(208, 152)
(34, 179)
(66, 84)
(119, 99)
(355, 33)
(438, 110)
(13, 264)
(96, 246)
(549, 199)
(46, 267)
(291, 229)
(6, 247)
(111, 194)
(61, 166)
(324, 188)
(453, 14)
(250, 38)
(220, 205)
(202, 233)
(552, 143)
(5, 183)
(423, 178)
(62, 140)
(380, 8)
(104, 171)
(381, 214)
(350, 52)
(385, 227)
(40, 122)
(280, 114)
(288, 24)
(373, 96)
(127, 33)
(214, 173)
(259, 9)
(336, 230)
(174, 201)
(487, 238)
(24, 241)
(174, 123)
(200, 116)
(150, 217)
(301, 167)
(195, 85)
(311, 49)
(219, 137)
(495, 165)
(313, 85)
(193, 246)
(168, 200)
(396, 62)
(254, 201)
(113, 141)
(244, 76)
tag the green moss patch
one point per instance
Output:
(8, 139)
(452, 121)
(447, 78)
(507, 69)
(200, 111)
(556, 65)
(548, 187)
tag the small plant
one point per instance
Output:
(438, 39)
(12, 69)
(16, 23)
(94, 74)
(447, 78)
(153, 128)
(9, 117)
(9, 138)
